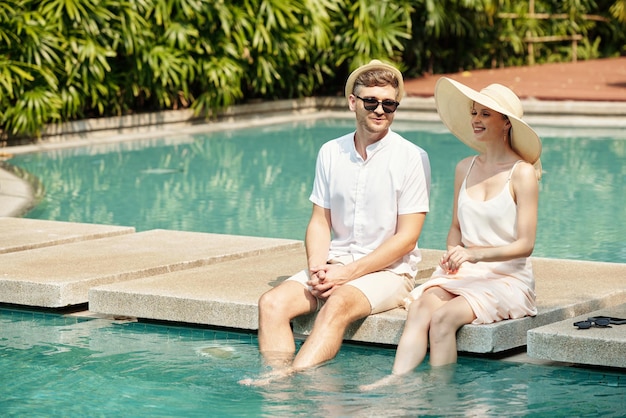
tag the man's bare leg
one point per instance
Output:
(277, 308)
(346, 305)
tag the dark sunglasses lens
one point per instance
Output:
(370, 104)
(583, 324)
(602, 322)
(389, 106)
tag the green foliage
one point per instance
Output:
(618, 11)
(62, 60)
(451, 35)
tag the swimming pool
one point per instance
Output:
(257, 181)
(59, 365)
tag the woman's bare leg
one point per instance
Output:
(413, 344)
(444, 324)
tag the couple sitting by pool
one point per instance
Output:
(370, 199)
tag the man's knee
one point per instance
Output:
(345, 306)
(271, 302)
(290, 299)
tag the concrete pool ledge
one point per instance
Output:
(17, 196)
(216, 280)
(25, 234)
(61, 275)
(226, 294)
(563, 342)
(563, 113)
(562, 292)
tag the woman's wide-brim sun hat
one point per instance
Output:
(454, 103)
(374, 65)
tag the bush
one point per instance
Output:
(62, 60)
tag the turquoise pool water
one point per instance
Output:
(64, 366)
(257, 181)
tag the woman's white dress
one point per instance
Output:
(495, 290)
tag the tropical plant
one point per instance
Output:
(62, 60)
(618, 10)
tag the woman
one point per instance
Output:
(485, 275)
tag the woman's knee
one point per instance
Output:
(416, 311)
(442, 325)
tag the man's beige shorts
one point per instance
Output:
(384, 289)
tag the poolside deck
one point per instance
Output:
(213, 279)
(216, 279)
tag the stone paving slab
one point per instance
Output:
(215, 279)
(19, 234)
(222, 294)
(226, 294)
(562, 292)
(563, 342)
(61, 275)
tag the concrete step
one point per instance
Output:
(19, 234)
(226, 294)
(565, 289)
(562, 341)
(61, 275)
(221, 294)
(214, 279)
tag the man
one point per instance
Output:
(370, 198)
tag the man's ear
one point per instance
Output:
(352, 102)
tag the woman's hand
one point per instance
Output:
(454, 257)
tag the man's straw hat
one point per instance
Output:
(374, 65)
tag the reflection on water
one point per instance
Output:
(582, 211)
(63, 366)
(257, 182)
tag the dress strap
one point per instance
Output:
(470, 167)
(513, 168)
